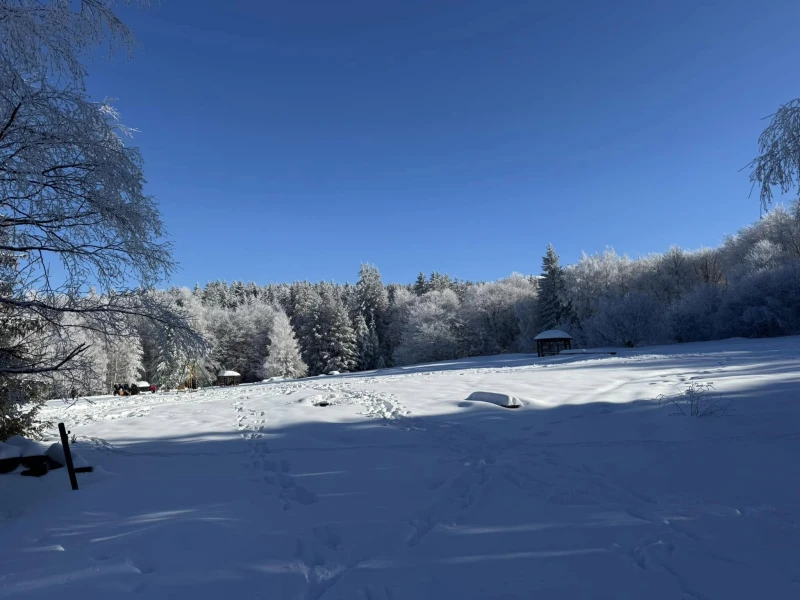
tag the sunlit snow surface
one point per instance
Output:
(400, 488)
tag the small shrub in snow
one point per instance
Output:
(698, 400)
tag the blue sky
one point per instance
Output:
(294, 140)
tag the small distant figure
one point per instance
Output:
(73, 394)
(134, 389)
(116, 389)
(126, 390)
(152, 389)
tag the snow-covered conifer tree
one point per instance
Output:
(334, 334)
(283, 353)
(553, 309)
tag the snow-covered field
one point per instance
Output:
(399, 488)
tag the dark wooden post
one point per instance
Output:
(68, 456)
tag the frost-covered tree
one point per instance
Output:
(668, 277)
(433, 329)
(778, 162)
(123, 360)
(307, 306)
(400, 301)
(283, 353)
(491, 314)
(335, 338)
(765, 303)
(368, 348)
(693, 318)
(778, 235)
(240, 336)
(594, 277)
(629, 320)
(763, 256)
(707, 266)
(87, 373)
(372, 302)
(71, 192)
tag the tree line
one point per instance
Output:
(83, 251)
(749, 286)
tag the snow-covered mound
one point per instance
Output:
(505, 400)
(9, 451)
(10, 457)
(590, 489)
(33, 453)
(56, 453)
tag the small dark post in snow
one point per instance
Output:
(68, 456)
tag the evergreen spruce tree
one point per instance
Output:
(333, 335)
(439, 282)
(364, 349)
(308, 303)
(370, 293)
(376, 352)
(552, 308)
(421, 284)
(372, 302)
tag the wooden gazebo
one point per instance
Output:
(552, 341)
(229, 378)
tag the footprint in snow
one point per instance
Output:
(102, 557)
(145, 570)
(328, 535)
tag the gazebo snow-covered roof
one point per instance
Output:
(142, 384)
(229, 378)
(553, 334)
(552, 341)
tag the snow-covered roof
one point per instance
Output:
(228, 374)
(142, 384)
(553, 334)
